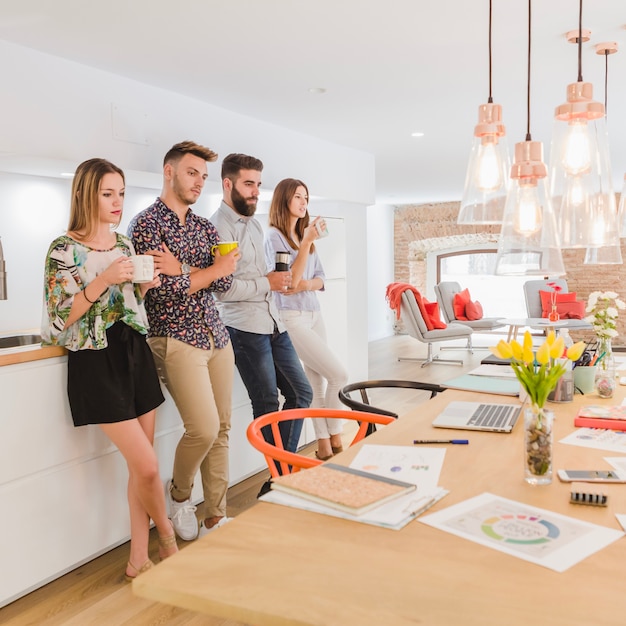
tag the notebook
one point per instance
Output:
(479, 416)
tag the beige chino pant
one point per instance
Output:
(201, 383)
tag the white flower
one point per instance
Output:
(603, 307)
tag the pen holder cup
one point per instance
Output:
(564, 390)
(585, 379)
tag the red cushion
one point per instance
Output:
(571, 310)
(474, 311)
(433, 316)
(459, 303)
(546, 300)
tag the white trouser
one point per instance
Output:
(324, 371)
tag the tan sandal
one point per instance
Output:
(323, 458)
(140, 570)
(167, 543)
(337, 450)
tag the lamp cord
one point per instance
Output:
(528, 137)
(490, 100)
(606, 81)
(580, 42)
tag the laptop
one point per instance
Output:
(498, 418)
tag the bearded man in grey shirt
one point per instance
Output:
(264, 354)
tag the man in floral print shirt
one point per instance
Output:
(190, 343)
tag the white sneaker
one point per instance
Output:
(183, 516)
(205, 531)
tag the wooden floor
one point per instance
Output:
(96, 593)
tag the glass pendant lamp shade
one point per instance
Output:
(529, 243)
(621, 212)
(606, 255)
(487, 177)
(580, 172)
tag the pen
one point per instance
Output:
(416, 441)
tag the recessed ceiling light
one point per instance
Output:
(67, 174)
(417, 134)
(317, 90)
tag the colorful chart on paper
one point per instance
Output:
(536, 535)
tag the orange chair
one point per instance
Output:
(291, 461)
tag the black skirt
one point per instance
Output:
(115, 384)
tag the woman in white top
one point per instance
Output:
(290, 231)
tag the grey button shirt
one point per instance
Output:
(249, 304)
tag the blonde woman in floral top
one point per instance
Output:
(96, 312)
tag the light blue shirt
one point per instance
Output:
(249, 304)
(303, 300)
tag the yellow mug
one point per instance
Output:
(224, 247)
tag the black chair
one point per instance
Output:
(365, 405)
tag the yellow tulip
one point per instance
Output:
(516, 349)
(543, 354)
(556, 349)
(502, 350)
(575, 352)
(528, 347)
(551, 337)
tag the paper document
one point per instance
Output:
(536, 535)
(419, 466)
(597, 438)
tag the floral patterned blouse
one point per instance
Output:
(172, 310)
(70, 267)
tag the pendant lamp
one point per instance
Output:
(611, 253)
(580, 171)
(529, 243)
(487, 176)
(621, 213)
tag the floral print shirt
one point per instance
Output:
(172, 311)
(70, 267)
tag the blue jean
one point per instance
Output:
(267, 363)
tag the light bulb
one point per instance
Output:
(528, 218)
(576, 157)
(488, 171)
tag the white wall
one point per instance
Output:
(58, 113)
(380, 270)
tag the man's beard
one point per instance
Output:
(241, 205)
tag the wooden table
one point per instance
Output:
(275, 565)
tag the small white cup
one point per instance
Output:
(321, 227)
(143, 268)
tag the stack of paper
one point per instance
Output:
(418, 467)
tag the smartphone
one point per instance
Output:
(591, 476)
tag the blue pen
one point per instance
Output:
(457, 441)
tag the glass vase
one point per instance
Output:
(605, 369)
(538, 423)
(554, 316)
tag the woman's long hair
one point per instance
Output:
(84, 208)
(280, 217)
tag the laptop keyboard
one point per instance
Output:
(492, 416)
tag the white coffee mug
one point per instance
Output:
(143, 268)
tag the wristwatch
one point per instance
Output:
(185, 269)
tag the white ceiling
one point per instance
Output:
(389, 68)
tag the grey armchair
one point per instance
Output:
(416, 327)
(445, 292)
(533, 301)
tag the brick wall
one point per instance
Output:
(438, 220)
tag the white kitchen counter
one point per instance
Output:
(63, 488)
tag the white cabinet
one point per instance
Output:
(63, 489)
